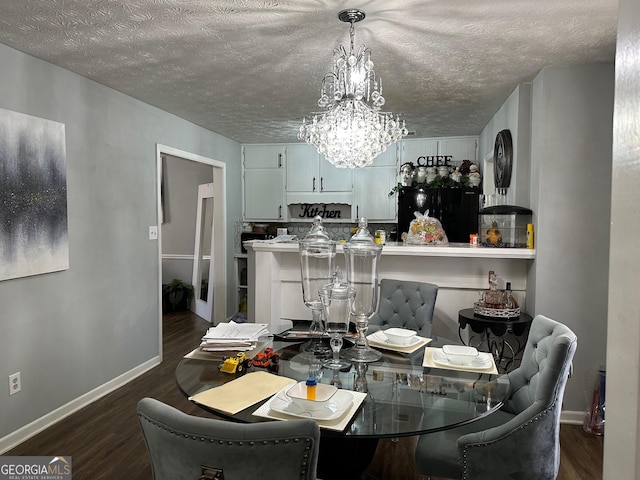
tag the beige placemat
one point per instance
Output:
(378, 342)
(428, 361)
(339, 424)
(244, 391)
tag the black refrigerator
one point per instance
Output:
(456, 208)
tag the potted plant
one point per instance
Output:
(177, 295)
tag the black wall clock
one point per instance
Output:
(502, 161)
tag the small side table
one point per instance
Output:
(494, 332)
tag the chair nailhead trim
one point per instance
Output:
(304, 464)
(465, 466)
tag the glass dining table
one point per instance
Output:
(403, 398)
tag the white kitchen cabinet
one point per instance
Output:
(372, 185)
(459, 148)
(371, 194)
(310, 172)
(264, 194)
(263, 156)
(388, 158)
(263, 173)
(411, 150)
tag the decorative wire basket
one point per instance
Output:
(498, 313)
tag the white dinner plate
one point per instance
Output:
(481, 362)
(335, 408)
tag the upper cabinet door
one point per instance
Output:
(388, 158)
(412, 150)
(310, 172)
(263, 156)
(263, 194)
(333, 179)
(459, 148)
(302, 168)
(371, 194)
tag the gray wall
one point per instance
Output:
(571, 142)
(73, 331)
(514, 115)
(622, 438)
(562, 133)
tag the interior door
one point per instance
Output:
(203, 260)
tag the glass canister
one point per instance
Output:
(317, 264)
(362, 257)
(337, 298)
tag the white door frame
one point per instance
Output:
(220, 229)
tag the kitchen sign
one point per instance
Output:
(326, 211)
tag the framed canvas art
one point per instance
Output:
(33, 196)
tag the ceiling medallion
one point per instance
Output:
(351, 131)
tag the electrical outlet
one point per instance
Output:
(15, 385)
(153, 232)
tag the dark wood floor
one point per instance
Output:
(105, 442)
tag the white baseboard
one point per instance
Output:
(571, 417)
(42, 423)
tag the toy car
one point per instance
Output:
(236, 364)
(266, 358)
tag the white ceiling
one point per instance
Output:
(251, 69)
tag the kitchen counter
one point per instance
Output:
(399, 248)
(459, 270)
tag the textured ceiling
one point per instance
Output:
(251, 69)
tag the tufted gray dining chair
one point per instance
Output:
(182, 447)
(522, 439)
(405, 304)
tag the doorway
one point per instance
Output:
(217, 276)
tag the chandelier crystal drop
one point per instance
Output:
(352, 131)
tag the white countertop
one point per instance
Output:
(401, 249)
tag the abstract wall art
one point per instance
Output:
(33, 196)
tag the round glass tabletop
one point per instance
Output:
(403, 397)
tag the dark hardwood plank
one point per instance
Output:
(105, 441)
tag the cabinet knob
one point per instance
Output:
(314, 184)
(322, 184)
(279, 160)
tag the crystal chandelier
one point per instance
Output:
(352, 130)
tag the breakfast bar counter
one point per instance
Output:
(459, 270)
